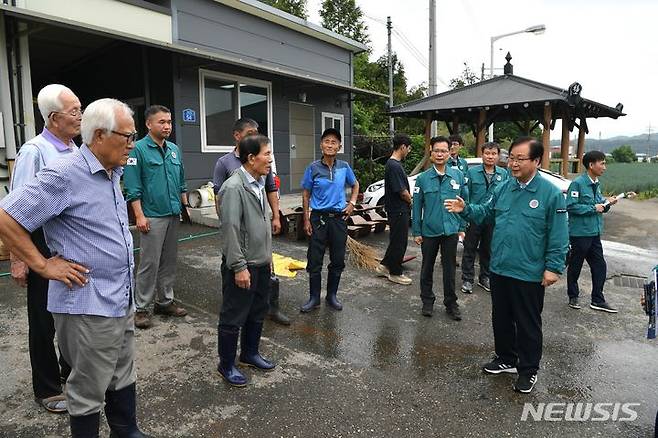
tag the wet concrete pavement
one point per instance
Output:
(378, 368)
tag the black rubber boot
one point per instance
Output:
(121, 413)
(333, 280)
(85, 426)
(227, 345)
(249, 354)
(275, 313)
(315, 284)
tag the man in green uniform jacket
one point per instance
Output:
(481, 180)
(154, 180)
(586, 206)
(529, 248)
(433, 227)
(454, 160)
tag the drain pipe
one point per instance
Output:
(5, 99)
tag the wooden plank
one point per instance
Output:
(546, 137)
(564, 145)
(581, 146)
(481, 127)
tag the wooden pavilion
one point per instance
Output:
(510, 98)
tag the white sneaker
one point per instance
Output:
(399, 279)
(382, 271)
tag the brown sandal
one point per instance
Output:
(55, 404)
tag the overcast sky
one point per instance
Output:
(609, 46)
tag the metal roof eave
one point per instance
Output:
(187, 50)
(270, 13)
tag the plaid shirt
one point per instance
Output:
(84, 218)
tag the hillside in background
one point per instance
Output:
(638, 143)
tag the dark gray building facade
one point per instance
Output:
(210, 61)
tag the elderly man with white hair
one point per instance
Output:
(61, 113)
(79, 204)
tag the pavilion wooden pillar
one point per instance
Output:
(424, 163)
(455, 125)
(564, 144)
(581, 144)
(428, 132)
(481, 128)
(546, 137)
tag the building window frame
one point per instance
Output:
(335, 116)
(238, 80)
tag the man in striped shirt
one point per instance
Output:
(79, 204)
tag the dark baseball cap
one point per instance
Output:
(331, 131)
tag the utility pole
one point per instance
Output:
(648, 140)
(391, 122)
(432, 79)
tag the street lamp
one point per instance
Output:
(536, 30)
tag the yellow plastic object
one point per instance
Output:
(286, 266)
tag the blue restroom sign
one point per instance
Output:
(189, 115)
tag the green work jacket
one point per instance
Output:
(531, 234)
(479, 189)
(155, 176)
(429, 216)
(458, 163)
(582, 197)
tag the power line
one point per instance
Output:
(409, 46)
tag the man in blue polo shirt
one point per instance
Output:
(324, 193)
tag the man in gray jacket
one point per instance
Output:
(246, 232)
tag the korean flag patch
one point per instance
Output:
(416, 189)
(575, 194)
(132, 161)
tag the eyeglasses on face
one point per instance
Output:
(72, 113)
(518, 159)
(130, 137)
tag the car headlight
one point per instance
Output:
(374, 187)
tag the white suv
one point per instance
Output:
(374, 194)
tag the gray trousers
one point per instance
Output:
(101, 352)
(157, 262)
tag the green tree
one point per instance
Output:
(346, 18)
(624, 154)
(371, 113)
(467, 77)
(294, 7)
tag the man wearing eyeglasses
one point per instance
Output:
(79, 204)
(60, 109)
(435, 229)
(154, 181)
(456, 161)
(528, 251)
